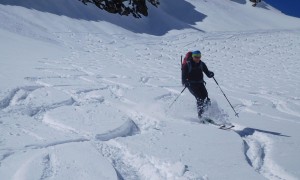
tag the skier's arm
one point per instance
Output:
(208, 73)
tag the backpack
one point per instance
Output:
(187, 58)
(187, 61)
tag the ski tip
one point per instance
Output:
(222, 127)
(227, 128)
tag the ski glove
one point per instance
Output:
(211, 74)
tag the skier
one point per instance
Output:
(192, 78)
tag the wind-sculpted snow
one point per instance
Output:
(258, 146)
(129, 128)
(140, 166)
(40, 146)
(16, 95)
(123, 116)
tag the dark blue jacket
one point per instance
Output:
(193, 72)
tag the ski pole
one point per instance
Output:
(182, 90)
(177, 97)
(181, 62)
(236, 114)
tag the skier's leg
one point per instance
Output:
(204, 101)
(195, 91)
(202, 92)
(201, 95)
(200, 107)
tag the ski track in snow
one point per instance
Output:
(141, 166)
(16, 95)
(257, 150)
(47, 161)
(83, 82)
(48, 170)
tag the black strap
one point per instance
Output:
(189, 64)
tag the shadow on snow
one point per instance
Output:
(250, 131)
(239, 1)
(170, 15)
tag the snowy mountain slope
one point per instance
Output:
(19, 53)
(88, 100)
(202, 15)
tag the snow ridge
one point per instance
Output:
(129, 128)
(16, 95)
(140, 166)
(48, 168)
(258, 149)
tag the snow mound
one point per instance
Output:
(129, 128)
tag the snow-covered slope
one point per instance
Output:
(82, 96)
(214, 15)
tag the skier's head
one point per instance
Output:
(196, 55)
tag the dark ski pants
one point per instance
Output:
(199, 91)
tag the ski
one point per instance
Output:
(210, 121)
(220, 126)
(227, 127)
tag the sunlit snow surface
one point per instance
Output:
(95, 104)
